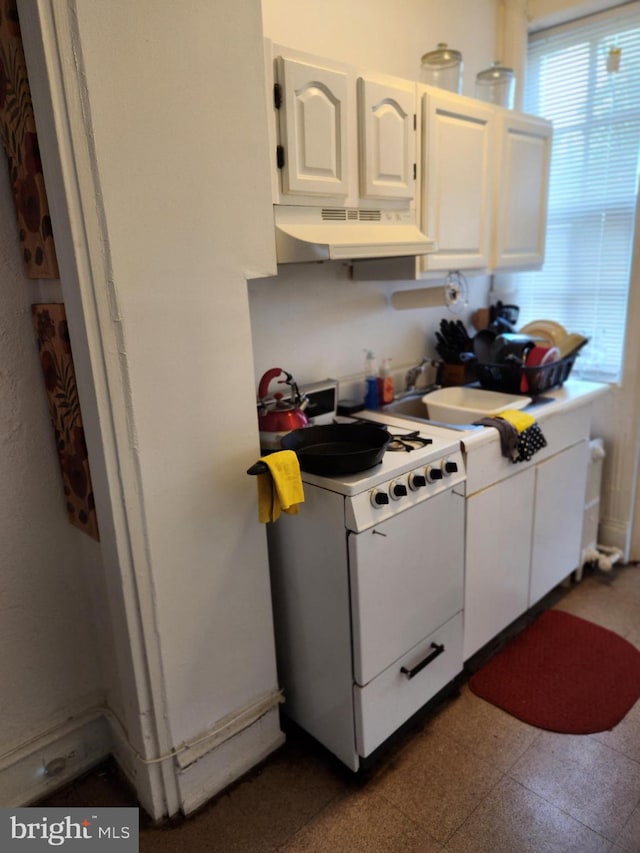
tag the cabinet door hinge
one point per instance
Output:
(280, 157)
(277, 95)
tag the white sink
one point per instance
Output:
(459, 404)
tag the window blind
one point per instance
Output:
(585, 78)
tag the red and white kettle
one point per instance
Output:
(277, 416)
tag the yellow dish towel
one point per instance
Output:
(281, 489)
(520, 420)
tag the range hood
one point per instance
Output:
(338, 233)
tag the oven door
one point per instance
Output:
(407, 580)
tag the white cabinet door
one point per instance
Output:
(387, 138)
(561, 483)
(498, 551)
(459, 160)
(521, 214)
(313, 129)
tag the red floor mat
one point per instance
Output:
(563, 674)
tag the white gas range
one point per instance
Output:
(417, 465)
(368, 591)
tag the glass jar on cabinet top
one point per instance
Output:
(443, 68)
(496, 85)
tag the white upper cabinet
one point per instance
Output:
(523, 186)
(345, 136)
(387, 137)
(345, 141)
(313, 129)
(458, 167)
(485, 182)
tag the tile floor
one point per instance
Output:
(470, 778)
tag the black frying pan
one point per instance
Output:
(337, 448)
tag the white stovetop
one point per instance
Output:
(394, 462)
(439, 434)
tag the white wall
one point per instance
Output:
(49, 570)
(549, 13)
(387, 38)
(316, 323)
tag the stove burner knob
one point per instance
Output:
(417, 481)
(434, 474)
(397, 490)
(449, 467)
(379, 498)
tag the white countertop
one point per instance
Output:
(573, 394)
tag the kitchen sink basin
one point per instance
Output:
(462, 404)
(412, 407)
(455, 405)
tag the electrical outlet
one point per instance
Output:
(55, 767)
(54, 761)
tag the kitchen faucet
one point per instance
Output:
(413, 374)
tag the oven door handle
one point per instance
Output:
(437, 651)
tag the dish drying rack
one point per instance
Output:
(518, 379)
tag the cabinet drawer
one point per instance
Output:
(392, 697)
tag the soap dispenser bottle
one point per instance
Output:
(385, 383)
(371, 399)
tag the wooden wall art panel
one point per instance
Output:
(20, 140)
(50, 323)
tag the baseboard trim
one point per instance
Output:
(615, 533)
(229, 727)
(229, 761)
(38, 768)
(144, 779)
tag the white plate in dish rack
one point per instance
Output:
(548, 330)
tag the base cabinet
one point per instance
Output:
(561, 483)
(498, 555)
(523, 537)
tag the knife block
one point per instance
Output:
(456, 374)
